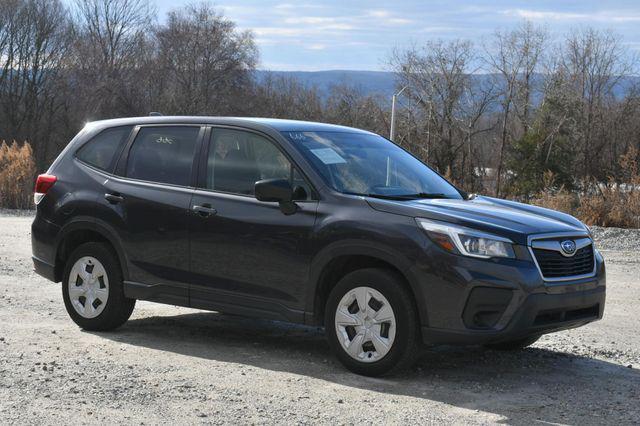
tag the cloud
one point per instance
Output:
(263, 41)
(439, 29)
(297, 34)
(297, 6)
(379, 13)
(337, 26)
(398, 21)
(386, 17)
(604, 17)
(316, 46)
(545, 15)
(310, 20)
(279, 31)
(245, 10)
(312, 30)
(633, 45)
(346, 23)
(321, 22)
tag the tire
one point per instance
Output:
(97, 277)
(513, 345)
(401, 333)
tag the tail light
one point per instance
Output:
(43, 184)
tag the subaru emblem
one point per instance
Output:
(568, 247)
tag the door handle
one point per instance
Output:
(113, 198)
(204, 210)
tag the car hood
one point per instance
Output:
(510, 219)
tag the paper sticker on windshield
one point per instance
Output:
(328, 156)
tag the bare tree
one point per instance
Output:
(475, 121)
(204, 61)
(513, 56)
(283, 97)
(593, 65)
(348, 106)
(34, 36)
(110, 46)
(439, 83)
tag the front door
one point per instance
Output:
(246, 255)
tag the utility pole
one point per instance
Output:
(392, 132)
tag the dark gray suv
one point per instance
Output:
(309, 223)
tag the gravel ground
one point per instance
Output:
(616, 238)
(179, 365)
(16, 213)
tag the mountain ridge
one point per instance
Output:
(379, 83)
(368, 82)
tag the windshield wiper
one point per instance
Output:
(425, 195)
(401, 197)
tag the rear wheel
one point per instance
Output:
(513, 345)
(371, 322)
(92, 288)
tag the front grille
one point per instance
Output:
(554, 265)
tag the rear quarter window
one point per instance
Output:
(102, 150)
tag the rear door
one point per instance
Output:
(246, 255)
(152, 200)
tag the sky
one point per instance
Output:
(311, 35)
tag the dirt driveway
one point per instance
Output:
(178, 365)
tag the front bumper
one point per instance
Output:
(538, 314)
(469, 301)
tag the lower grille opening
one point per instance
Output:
(548, 318)
(561, 315)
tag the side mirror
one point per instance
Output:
(276, 190)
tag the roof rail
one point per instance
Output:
(155, 114)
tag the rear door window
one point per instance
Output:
(103, 149)
(163, 154)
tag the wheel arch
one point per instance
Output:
(339, 259)
(84, 230)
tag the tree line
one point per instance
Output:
(511, 115)
(521, 105)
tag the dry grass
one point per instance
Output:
(17, 173)
(603, 204)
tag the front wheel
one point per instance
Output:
(92, 288)
(371, 322)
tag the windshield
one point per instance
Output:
(367, 164)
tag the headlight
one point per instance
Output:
(466, 241)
